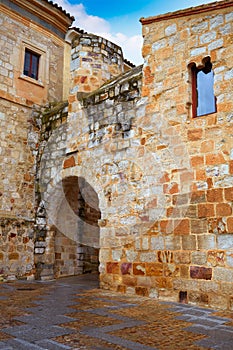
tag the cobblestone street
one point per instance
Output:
(72, 313)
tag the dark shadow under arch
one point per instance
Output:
(79, 253)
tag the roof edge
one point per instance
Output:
(60, 9)
(42, 12)
(188, 11)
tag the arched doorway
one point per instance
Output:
(76, 243)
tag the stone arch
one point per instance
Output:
(76, 238)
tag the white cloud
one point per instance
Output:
(131, 45)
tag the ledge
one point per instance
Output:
(44, 13)
(31, 80)
(188, 12)
(122, 85)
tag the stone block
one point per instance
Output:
(144, 281)
(198, 197)
(13, 256)
(171, 270)
(157, 243)
(206, 242)
(195, 134)
(139, 269)
(148, 257)
(39, 250)
(129, 280)
(181, 227)
(126, 268)
(172, 242)
(215, 195)
(116, 254)
(223, 274)
(230, 225)
(223, 209)
(189, 242)
(198, 258)
(171, 29)
(199, 226)
(225, 241)
(182, 257)
(216, 258)
(229, 259)
(154, 269)
(68, 163)
(166, 226)
(206, 210)
(197, 272)
(218, 301)
(184, 271)
(113, 267)
(143, 291)
(228, 193)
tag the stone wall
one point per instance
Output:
(123, 167)
(17, 248)
(20, 98)
(94, 60)
(17, 158)
(58, 251)
(16, 34)
(19, 137)
(163, 178)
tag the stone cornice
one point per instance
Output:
(42, 12)
(188, 12)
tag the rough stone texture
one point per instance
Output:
(158, 172)
(16, 33)
(20, 97)
(125, 168)
(17, 248)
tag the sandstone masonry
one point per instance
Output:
(125, 175)
(20, 98)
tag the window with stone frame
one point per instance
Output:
(203, 99)
(31, 64)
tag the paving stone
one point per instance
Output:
(200, 320)
(53, 319)
(32, 333)
(117, 340)
(52, 345)
(206, 342)
(112, 325)
(223, 346)
(206, 322)
(4, 346)
(193, 312)
(20, 344)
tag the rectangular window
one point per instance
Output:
(31, 64)
(203, 99)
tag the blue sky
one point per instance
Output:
(118, 20)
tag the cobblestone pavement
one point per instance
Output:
(72, 313)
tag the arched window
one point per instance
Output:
(203, 99)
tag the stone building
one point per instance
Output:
(135, 171)
(31, 31)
